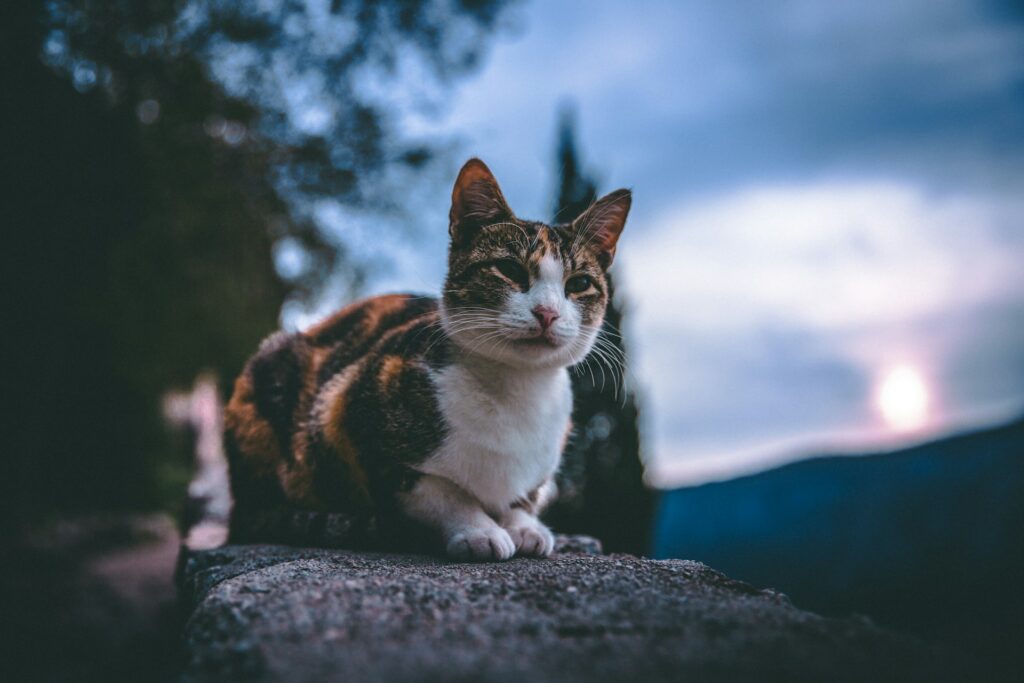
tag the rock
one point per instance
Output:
(276, 613)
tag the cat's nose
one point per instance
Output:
(545, 315)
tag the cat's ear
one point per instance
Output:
(599, 227)
(476, 201)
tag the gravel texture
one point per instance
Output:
(276, 613)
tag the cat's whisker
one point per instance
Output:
(504, 342)
(609, 364)
(464, 326)
(487, 338)
(615, 353)
(605, 354)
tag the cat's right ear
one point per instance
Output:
(476, 201)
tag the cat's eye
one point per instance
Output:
(577, 284)
(513, 271)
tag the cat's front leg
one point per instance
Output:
(468, 532)
(529, 534)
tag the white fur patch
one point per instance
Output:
(506, 427)
(549, 289)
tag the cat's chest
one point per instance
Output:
(501, 443)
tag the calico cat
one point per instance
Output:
(447, 416)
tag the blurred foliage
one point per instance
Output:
(304, 94)
(157, 152)
(601, 487)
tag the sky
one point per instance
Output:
(826, 246)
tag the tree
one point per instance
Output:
(302, 92)
(161, 152)
(601, 481)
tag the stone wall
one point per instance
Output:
(277, 613)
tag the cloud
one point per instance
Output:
(786, 303)
(825, 256)
(690, 98)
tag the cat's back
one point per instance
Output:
(275, 421)
(359, 325)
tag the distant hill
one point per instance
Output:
(928, 539)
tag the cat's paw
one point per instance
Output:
(481, 544)
(533, 540)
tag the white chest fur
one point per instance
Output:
(506, 428)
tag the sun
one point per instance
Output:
(902, 398)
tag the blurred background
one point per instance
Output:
(823, 261)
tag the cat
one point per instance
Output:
(447, 416)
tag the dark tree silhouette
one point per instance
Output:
(155, 155)
(302, 92)
(602, 492)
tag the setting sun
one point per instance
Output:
(902, 398)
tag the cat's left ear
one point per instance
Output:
(476, 201)
(600, 225)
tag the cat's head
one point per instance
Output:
(521, 292)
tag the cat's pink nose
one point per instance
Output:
(545, 316)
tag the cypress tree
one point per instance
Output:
(601, 486)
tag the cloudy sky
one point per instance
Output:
(827, 240)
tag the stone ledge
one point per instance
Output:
(276, 613)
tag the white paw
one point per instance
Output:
(534, 540)
(491, 543)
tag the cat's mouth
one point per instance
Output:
(540, 341)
